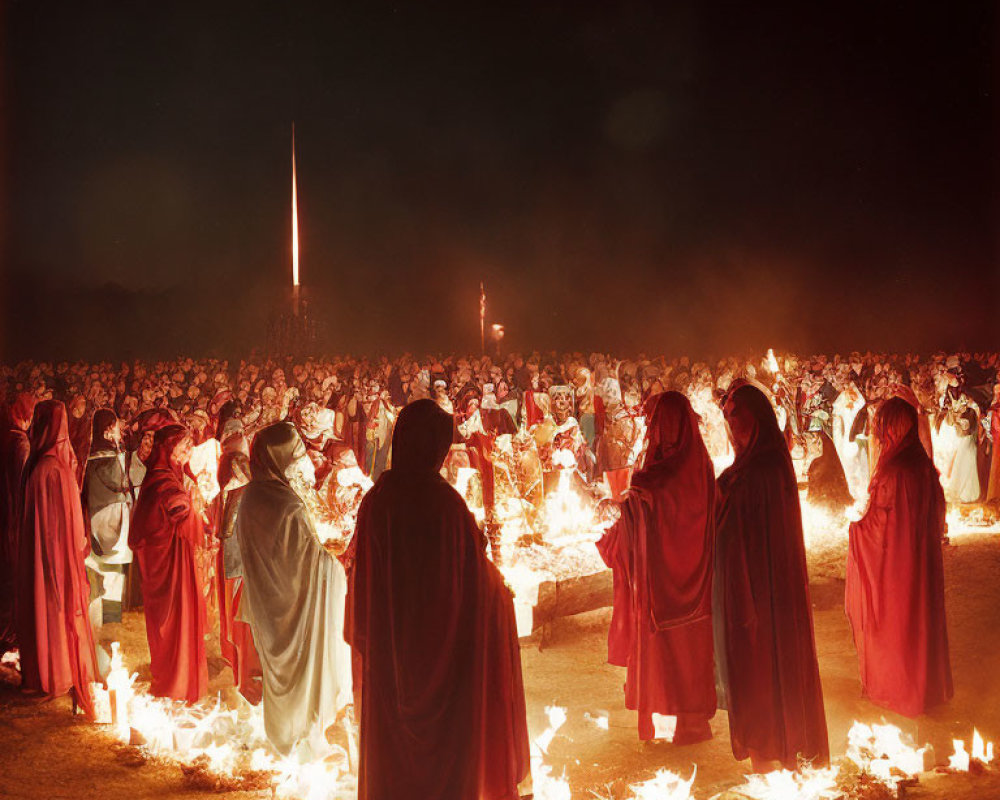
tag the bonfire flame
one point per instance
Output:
(806, 784)
(665, 785)
(228, 742)
(547, 787)
(982, 752)
(880, 751)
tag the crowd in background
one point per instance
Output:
(588, 404)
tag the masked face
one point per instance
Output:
(561, 407)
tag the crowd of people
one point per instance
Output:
(303, 508)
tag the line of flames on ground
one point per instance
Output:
(231, 743)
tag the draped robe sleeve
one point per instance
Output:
(433, 631)
(895, 588)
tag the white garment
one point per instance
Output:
(963, 482)
(293, 597)
(853, 455)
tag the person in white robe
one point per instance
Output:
(853, 453)
(293, 597)
(108, 503)
(961, 484)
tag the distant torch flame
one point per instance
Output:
(295, 220)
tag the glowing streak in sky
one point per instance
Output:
(295, 219)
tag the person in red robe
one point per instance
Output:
(895, 573)
(53, 627)
(433, 633)
(166, 529)
(661, 552)
(14, 450)
(764, 643)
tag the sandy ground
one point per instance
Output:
(46, 753)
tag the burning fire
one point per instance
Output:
(807, 784)
(880, 751)
(229, 742)
(547, 787)
(982, 752)
(665, 785)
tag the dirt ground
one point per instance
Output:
(46, 753)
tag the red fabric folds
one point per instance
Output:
(236, 637)
(164, 533)
(14, 450)
(765, 647)
(895, 574)
(661, 552)
(435, 642)
(53, 629)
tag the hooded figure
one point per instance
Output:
(165, 534)
(434, 636)
(53, 630)
(14, 450)
(764, 641)
(895, 573)
(293, 596)
(661, 553)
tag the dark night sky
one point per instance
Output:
(674, 176)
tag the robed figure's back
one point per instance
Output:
(895, 573)
(432, 626)
(763, 623)
(661, 553)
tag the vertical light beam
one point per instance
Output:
(295, 229)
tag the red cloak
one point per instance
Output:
(164, 533)
(53, 628)
(993, 486)
(14, 450)
(661, 552)
(765, 647)
(895, 576)
(435, 641)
